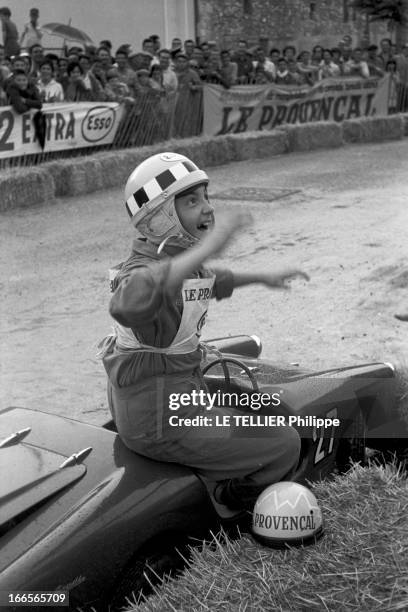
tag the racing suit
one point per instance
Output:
(154, 352)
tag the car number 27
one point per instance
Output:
(324, 444)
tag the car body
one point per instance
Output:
(78, 509)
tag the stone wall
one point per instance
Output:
(300, 22)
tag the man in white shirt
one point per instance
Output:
(356, 66)
(261, 62)
(170, 81)
(32, 34)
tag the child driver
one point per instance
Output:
(160, 298)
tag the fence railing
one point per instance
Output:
(154, 117)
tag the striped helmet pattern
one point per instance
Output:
(157, 185)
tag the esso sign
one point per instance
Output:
(98, 122)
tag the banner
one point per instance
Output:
(263, 107)
(69, 125)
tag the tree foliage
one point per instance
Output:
(382, 10)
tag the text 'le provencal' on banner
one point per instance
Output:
(245, 108)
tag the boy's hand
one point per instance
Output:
(226, 225)
(279, 279)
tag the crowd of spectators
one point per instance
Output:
(169, 81)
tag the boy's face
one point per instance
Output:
(195, 212)
(46, 73)
(21, 81)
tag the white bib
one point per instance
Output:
(196, 294)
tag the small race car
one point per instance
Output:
(81, 516)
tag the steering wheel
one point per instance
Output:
(224, 361)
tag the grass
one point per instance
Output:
(360, 564)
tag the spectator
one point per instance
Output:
(61, 73)
(156, 78)
(91, 51)
(317, 55)
(282, 73)
(170, 81)
(175, 46)
(193, 64)
(189, 48)
(263, 66)
(90, 81)
(37, 58)
(228, 69)
(355, 66)
(53, 59)
(144, 82)
(337, 59)
(148, 49)
(212, 73)
(3, 92)
(23, 95)
(263, 42)
(126, 74)
(18, 63)
(32, 34)
(346, 46)
(305, 67)
(188, 105)
(3, 59)
(104, 56)
(136, 61)
(50, 90)
(402, 69)
(375, 64)
(106, 44)
(10, 34)
(289, 52)
(73, 56)
(296, 78)
(198, 57)
(116, 89)
(206, 51)
(385, 54)
(77, 91)
(394, 95)
(155, 38)
(274, 55)
(346, 54)
(244, 63)
(328, 69)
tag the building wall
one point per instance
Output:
(300, 22)
(122, 21)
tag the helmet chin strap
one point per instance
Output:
(181, 238)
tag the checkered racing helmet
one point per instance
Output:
(150, 193)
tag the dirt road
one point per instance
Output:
(342, 215)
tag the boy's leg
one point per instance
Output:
(245, 460)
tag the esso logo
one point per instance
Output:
(98, 122)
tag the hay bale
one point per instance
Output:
(257, 145)
(373, 129)
(405, 121)
(82, 175)
(26, 187)
(309, 136)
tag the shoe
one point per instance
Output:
(215, 490)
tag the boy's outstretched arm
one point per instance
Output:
(274, 278)
(188, 261)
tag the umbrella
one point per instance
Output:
(68, 32)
